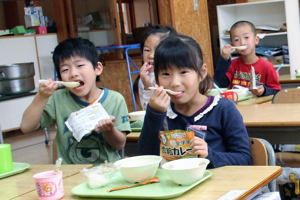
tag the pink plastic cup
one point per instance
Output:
(49, 185)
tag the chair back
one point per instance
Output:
(291, 95)
(263, 154)
(259, 152)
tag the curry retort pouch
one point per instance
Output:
(176, 144)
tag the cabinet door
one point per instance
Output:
(12, 112)
(19, 49)
(190, 18)
(115, 21)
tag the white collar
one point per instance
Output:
(172, 115)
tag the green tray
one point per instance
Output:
(17, 168)
(245, 98)
(165, 189)
(136, 129)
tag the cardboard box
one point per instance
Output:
(34, 16)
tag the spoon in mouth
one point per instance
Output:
(167, 90)
(67, 84)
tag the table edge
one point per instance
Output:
(260, 185)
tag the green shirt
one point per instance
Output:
(92, 148)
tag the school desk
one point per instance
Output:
(22, 183)
(277, 123)
(256, 100)
(223, 179)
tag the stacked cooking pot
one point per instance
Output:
(16, 78)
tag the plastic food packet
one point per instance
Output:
(199, 130)
(83, 121)
(176, 144)
(99, 176)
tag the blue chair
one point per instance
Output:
(129, 62)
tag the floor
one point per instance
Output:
(31, 148)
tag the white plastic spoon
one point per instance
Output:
(239, 47)
(67, 84)
(167, 90)
(57, 165)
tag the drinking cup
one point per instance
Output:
(49, 185)
(6, 162)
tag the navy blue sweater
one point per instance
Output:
(227, 137)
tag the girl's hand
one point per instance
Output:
(227, 51)
(144, 75)
(105, 125)
(200, 147)
(47, 88)
(160, 100)
(259, 91)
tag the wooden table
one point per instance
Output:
(278, 123)
(287, 82)
(20, 184)
(224, 179)
(256, 100)
(134, 136)
(286, 78)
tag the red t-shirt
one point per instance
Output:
(239, 73)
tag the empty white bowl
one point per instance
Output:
(186, 171)
(138, 168)
(138, 115)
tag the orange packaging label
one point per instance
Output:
(176, 144)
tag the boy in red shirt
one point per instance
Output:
(238, 71)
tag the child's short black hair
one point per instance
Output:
(181, 51)
(74, 47)
(243, 23)
(164, 31)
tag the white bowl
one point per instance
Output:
(186, 171)
(138, 115)
(138, 168)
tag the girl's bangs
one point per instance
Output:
(178, 56)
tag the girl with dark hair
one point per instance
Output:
(179, 67)
(152, 37)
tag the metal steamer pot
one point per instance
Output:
(16, 78)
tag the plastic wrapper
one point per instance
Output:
(268, 196)
(101, 175)
(176, 144)
(199, 130)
